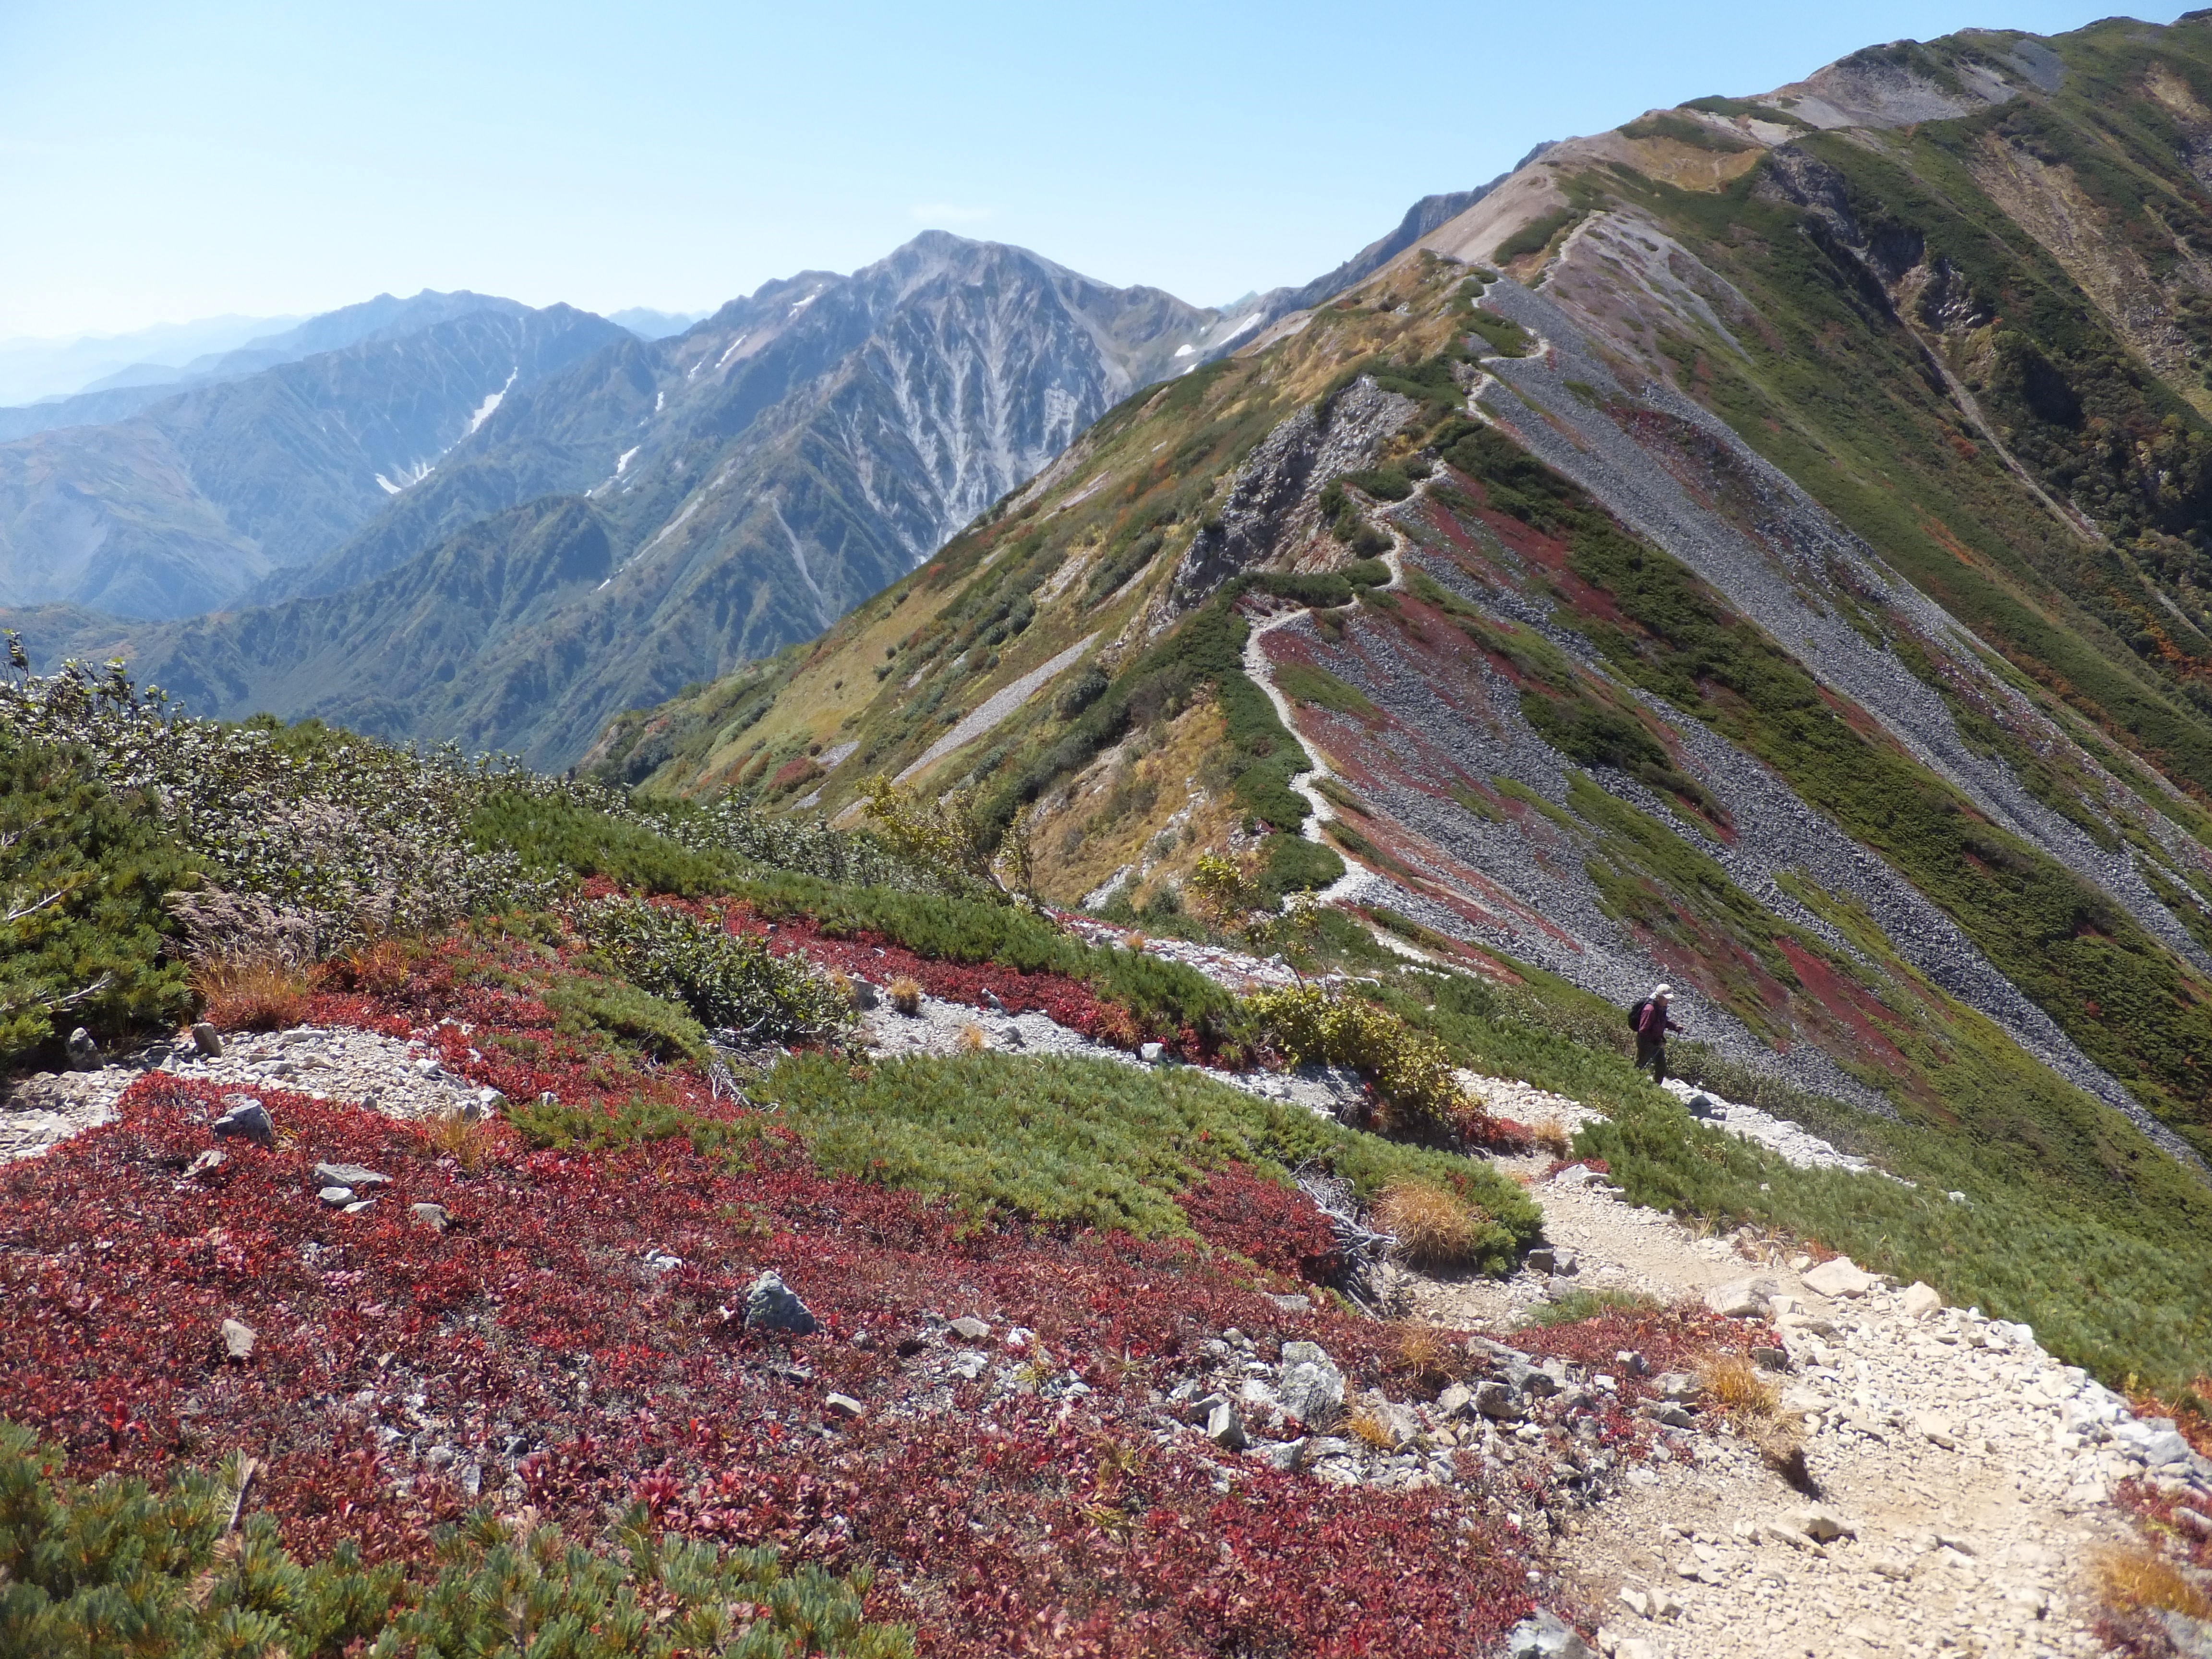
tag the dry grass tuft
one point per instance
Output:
(1368, 1427)
(467, 1140)
(2140, 1580)
(1426, 1357)
(249, 992)
(1434, 1228)
(1739, 1388)
(1751, 1402)
(380, 969)
(905, 994)
(972, 1040)
(1552, 1136)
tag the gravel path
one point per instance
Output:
(1970, 1471)
(324, 1062)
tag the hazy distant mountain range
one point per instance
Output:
(509, 526)
(189, 501)
(454, 516)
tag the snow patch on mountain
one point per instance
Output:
(485, 410)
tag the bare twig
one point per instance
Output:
(246, 1470)
(17, 914)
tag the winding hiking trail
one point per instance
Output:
(1948, 1445)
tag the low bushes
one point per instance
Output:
(536, 1316)
(1159, 995)
(1416, 1094)
(728, 981)
(1094, 1143)
(83, 869)
(114, 1567)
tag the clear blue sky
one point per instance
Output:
(163, 162)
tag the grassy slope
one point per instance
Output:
(1836, 392)
(2071, 1222)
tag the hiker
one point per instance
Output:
(1648, 1018)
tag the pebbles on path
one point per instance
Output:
(1968, 1471)
(399, 1078)
(1800, 1148)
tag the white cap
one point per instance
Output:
(1659, 990)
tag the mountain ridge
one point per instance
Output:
(182, 505)
(1640, 697)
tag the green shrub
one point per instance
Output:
(1386, 483)
(1535, 236)
(1573, 1307)
(1411, 1072)
(1506, 338)
(729, 980)
(1082, 1143)
(558, 834)
(114, 1568)
(614, 1007)
(1304, 682)
(1294, 865)
(1696, 134)
(84, 870)
(1080, 693)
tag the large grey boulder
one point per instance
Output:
(1545, 1635)
(1308, 1383)
(247, 1119)
(1743, 1298)
(770, 1306)
(1840, 1276)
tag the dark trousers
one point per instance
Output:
(1653, 1054)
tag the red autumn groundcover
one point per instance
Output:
(534, 1338)
(542, 1350)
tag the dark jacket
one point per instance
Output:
(1654, 1024)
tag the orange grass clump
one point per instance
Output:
(2140, 1580)
(251, 993)
(1434, 1228)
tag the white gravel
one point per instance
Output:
(1805, 1151)
(400, 1079)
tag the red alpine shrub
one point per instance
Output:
(1274, 1225)
(575, 1338)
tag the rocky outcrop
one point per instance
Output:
(1268, 501)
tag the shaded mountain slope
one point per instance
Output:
(182, 507)
(1790, 594)
(754, 477)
